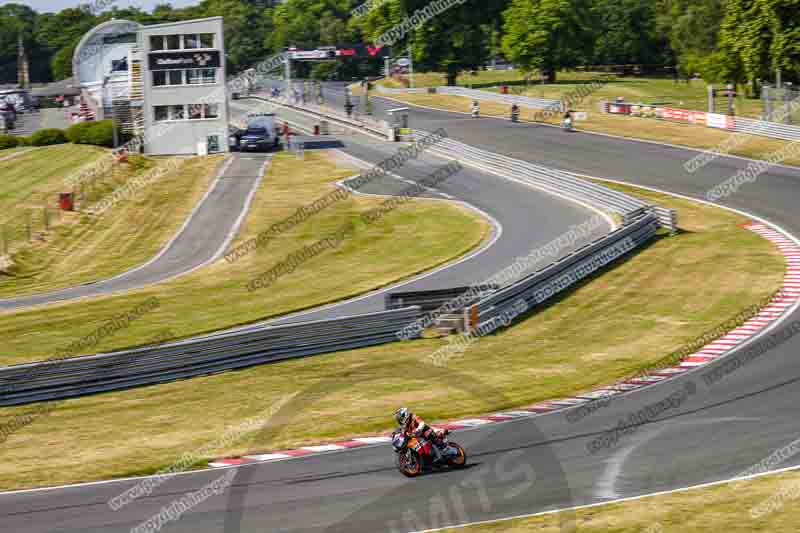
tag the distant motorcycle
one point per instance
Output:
(567, 124)
(414, 456)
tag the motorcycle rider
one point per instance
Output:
(515, 113)
(566, 123)
(476, 109)
(415, 426)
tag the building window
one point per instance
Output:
(156, 42)
(195, 111)
(161, 113)
(210, 110)
(163, 78)
(206, 40)
(173, 42)
(201, 76)
(159, 78)
(177, 112)
(191, 41)
(198, 40)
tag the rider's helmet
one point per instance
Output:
(402, 416)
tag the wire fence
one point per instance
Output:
(38, 216)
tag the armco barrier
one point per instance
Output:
(434, 299)
(68, 378)
(546, 283)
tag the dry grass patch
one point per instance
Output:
(81, 248)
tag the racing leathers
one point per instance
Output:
(417, 427)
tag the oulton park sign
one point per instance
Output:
(178, 60)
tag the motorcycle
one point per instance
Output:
(476, 112)
(567, 124)
(414, 455)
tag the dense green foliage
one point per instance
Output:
(97, 133)
(8, 141)
(723, 40)
(48, 136)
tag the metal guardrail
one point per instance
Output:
(545, 284)
(639, 231)
(434, 299)
(763, 128)
(69, 378)
(667, 218)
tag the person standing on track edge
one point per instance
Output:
(287, 135)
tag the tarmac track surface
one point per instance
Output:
(716, 433)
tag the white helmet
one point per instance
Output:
(402, 415)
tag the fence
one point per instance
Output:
(69, 378)
(34, 224)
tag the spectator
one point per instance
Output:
(287, 135)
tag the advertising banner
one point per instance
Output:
(716, 120)
(697, 117)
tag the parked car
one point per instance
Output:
(260, 135)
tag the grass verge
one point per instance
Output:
(81, 248)
(409, 240)
(651, 129)
(737, 507)
(611, 326)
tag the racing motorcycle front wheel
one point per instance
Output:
(409, 463)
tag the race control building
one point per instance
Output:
(165, 82)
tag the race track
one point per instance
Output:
(522, 466)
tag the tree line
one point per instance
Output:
(741, 41)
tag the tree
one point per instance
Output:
(692, 30)
(16, 21)
(547, 35)
(626, 33)
(759, 36)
